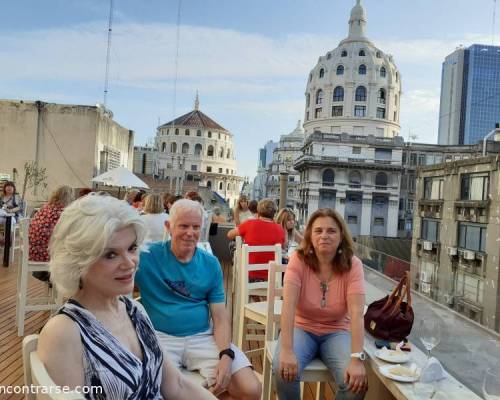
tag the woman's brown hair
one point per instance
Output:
(342, 261)
(153, 204)
(282, 218)
(63, 195)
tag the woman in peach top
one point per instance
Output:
(322, 314)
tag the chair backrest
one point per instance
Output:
(36, 374)
(245, 267)
(274, 291)
(25, 245)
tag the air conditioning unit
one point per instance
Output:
(448, 299)
(469, 255)
(452, 251)
(425, 287)
(427, 245)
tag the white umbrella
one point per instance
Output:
(120, 177)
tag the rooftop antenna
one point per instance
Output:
(493, 22)
(176, 71)
(106, 74)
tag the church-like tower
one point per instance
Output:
(355, 88)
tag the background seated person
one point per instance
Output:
(262, 231)
(10, 201)
(182, 289)
(42, 225)
(154, 218)
(322, 314)
(252, 206)
(100, 338)
(241, 212)
(286, 218)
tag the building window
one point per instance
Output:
(186, 132)
(328, 177)
(221, 152)
(340, 70)
(472, 236)
(209, 184)
(319, 97)
(198, 133)
(337, 111)
(360, 93)
(352, 219)
(328, 56)
(220, 185)
(378, 221)
(430, 230)
(410, 205)
(173, 147)
(194, 168)
(198, 149)
(378, 55)
(317, 112)
(380, 112)
(228, 155)
(310, 77)
(185, 148)
(177, 131)
(344, 53)
(470, 287)
(321, 72)
(359, 111)
(356, 150)
(163, 147)
(397, 76)
(209, 169)
(433, 188)
(308, 99)
(210, 151)
(381, 96)
(362, 53)
(220, 170)
(354, 179)
(395, 116)
(382, 72)
(362, 69)
(227, 171)
(381, 180)
(474, 186)
(307, 116)
(209, 134)
(338, 93)
(421, 159)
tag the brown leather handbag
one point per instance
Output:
(391, 318)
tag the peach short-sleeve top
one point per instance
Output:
(309, 315)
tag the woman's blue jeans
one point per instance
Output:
(334, 349)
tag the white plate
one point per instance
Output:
(384, 370)
(392, 356)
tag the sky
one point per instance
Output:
(249, 60)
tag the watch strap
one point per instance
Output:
(227, 352)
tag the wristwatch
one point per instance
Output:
(227, 352)
(361, 355)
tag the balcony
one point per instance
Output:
(431, 208)
(472, 262)
(428, 250)
(472, 211)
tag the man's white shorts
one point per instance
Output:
(200, 353)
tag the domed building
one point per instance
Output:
(352, 154)
(193, 147)
(355, 88)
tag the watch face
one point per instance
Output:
(362, 356)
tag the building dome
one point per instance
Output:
(354, 88)
(195, 147)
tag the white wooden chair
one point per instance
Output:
(26, 268)
(235, 282)
(316, 371)
(254, 312)
(36, 374)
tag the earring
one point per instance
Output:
(339, 251)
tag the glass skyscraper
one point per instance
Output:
(470, 94)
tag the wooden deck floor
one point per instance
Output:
(11, 366)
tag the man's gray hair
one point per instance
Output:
(82, 234)
(184, 205)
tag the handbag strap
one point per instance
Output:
(405, 293)
(395, 293)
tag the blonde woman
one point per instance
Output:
(241, 212)
(154, 218)
(100, 338)
(286, 218)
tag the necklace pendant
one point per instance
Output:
(323, 303)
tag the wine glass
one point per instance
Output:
(430, 334)
(491, 385)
